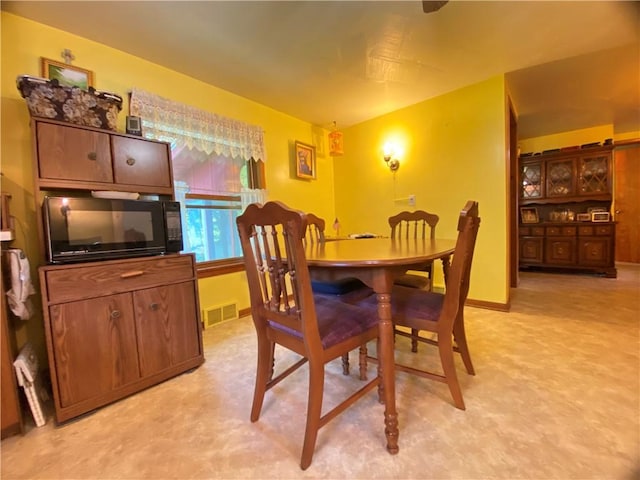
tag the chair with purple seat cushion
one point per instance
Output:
(286, 312)
(442, 314)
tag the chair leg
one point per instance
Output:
(363, 361)
(381, 383)
(461, 341)
(264, 373)
(345, 364)
(414, 340)
(314, 411)
(445, 348)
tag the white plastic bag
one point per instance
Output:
(21, 286)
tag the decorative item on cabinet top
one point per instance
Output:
(66, 74)
(48, 99)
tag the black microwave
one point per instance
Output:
(86, 229)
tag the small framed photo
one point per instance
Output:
(583, 217)
(66, 75)
(305, 158)
(529, 215)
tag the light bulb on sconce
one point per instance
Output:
(392, 163)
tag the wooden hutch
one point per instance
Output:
(559, 190)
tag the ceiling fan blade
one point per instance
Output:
(429, 6)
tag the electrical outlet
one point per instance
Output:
(412, 200)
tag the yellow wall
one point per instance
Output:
(25, 41)
(454, 151)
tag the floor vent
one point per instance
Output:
(219, 313)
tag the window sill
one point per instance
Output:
(220, 267)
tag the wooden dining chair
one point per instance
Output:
(416, 225)
(286, 312)
(440, 314)
(345, 287)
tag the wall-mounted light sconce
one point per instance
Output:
(392, 163)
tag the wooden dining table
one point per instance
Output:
(377, 262)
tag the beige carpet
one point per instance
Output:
(556, 396)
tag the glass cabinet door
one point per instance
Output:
(594, 175)
(560, 178)
(531, 180)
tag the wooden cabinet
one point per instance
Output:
(560, 245)
(560, 185)
(116, 327)
(532, 245)
(572, 176)
(112, 327)
(73, 157)
(576, 246)
(596, 245)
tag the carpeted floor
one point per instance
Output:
(556, 396)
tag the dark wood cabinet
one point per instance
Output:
(118, 326)
(573, 176)
(588, 246)
(562, 185)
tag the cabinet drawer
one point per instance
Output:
(591, 230)
(562, 231)
(111, 277)
(531, 231)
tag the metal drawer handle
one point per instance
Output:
(133, 273)
(115, 314)
(131, 161)
(92, 156)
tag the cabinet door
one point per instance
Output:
(167, 325)
(141, 162)
(531, 180)
(594, 251)
(560, 250)
(561, 177)
(69, 153)
(531, 250)
(594, 174)
(94, 346)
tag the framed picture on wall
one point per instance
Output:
(305, 158)
(67, 75)
(529, 215)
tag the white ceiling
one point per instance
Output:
(569, 64)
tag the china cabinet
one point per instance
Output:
(561, 187)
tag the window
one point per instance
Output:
(218, 169)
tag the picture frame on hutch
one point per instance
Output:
(67, 75)
(529, 215)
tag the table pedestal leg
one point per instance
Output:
(387, 365)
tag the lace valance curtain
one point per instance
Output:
(178, 123)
